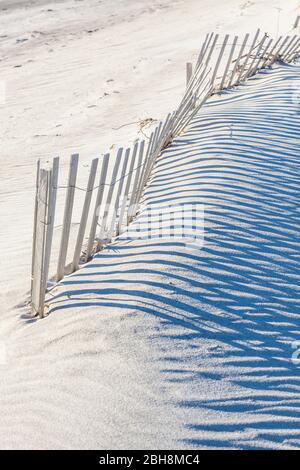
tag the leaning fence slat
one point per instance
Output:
(67, 218)
(84, 215)
(189, 72)
(294, 52)
(209, 91)
(252, 47)
(252, 67)
(270, 56)
(144, 169)
(203, 49)
(217, 66)
(235, 40)
(150, 153)
(133, 202)
(291, 48)
(163, 131)
(237, 62)
(211, 49)
(152, 156)
(281, 47)
(265, 55)
(111, 190)
(96, 213)
(289, 45)
(119, 189)
(127, 188)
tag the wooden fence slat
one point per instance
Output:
(287, 47)
(149, 158)
(237, 62)
(51, 214)
(96, 213)
(168, 131)
(127, 189)
(217, 66)
(118, 188)
(109, 196)
(201, 59)
(152, 156)
(184, 117)
(189, 72)
(281, 47)
(39, 281)
(208, 92)
(45, 250)
(203, 48)
(252, 67)
(211, 49)
(144, 169)
(292, 46)
(270, 55)
(252, 47)
(67, 218)
(133, 197)
(38, 166)
(163, 131)
(235, 40)
(84, 215)
(265, 55)
(196, 77)
(157, 137)
(294, 52)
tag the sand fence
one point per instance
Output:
(114, 186)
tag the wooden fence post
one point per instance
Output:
(39, 280)
(67, 218)
(84, 215)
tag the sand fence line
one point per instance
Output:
(112, 195)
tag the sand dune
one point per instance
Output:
(155, 344)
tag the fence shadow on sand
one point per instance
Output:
(240, 292)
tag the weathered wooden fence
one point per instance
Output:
(119, 186)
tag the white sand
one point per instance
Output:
(177, 350)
